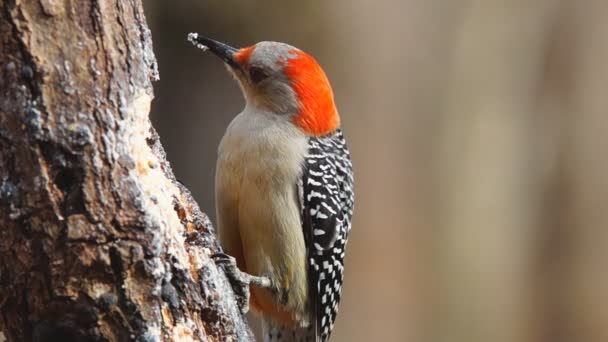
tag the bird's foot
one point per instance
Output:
(240, 280)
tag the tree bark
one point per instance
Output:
(98, 241)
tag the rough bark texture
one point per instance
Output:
(97, 239)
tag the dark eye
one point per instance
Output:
(257, 75)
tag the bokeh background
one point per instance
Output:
(479, 132)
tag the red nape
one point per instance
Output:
(318, 114)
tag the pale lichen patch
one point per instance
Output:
(153, 182)
(155, 193)
(182, 333)
(97, 289)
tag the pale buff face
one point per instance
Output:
(263, 81)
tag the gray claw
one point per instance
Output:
(239, 280)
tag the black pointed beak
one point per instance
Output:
(223, 51)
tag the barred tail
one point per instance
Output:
(276, 332)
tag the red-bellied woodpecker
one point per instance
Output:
(284, 189)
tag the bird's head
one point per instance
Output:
(283, 80)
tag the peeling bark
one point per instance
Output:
(98, 241)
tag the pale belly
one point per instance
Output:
(259, 213)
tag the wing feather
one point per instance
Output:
(327, 199)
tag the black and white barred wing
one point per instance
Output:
(327, 201)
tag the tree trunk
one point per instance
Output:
(98, 241)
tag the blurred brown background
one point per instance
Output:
(478, 131)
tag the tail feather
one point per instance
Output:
(276, 332)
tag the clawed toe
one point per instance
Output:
(238, 280)
(222, 258)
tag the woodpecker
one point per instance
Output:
(284, 188)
